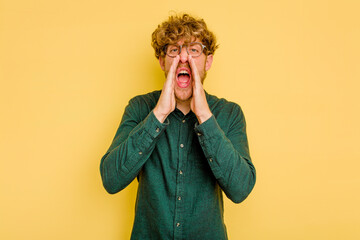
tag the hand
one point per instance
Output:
(166, 103)
(198, 103)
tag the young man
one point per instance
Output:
(184, 145)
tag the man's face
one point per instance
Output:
(183, 74)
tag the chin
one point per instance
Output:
(183, 95)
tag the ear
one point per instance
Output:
(209, 60)
(162, 63)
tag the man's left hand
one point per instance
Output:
(198, 103)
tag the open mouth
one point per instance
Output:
(183, 78)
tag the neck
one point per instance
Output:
(183, 106)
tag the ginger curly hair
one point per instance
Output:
(182, 27)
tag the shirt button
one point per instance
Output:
(210, 159)
(181, 145)
(179, 198)
(183, 121)
(180, 172)
(177, 224)
(199, 134)
(157, 130)
(140, 153)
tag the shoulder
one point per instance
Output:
(223, 106)
(141, 105)
(149, 99)
(228, 114)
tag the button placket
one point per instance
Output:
(182, 155)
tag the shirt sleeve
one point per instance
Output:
(228, 155)
(133, 144)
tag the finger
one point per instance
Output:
(196, 83)
(194, 70)
(174, 65)
(170, 81)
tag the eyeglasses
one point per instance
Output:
(194, 49)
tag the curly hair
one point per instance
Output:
(182, 27)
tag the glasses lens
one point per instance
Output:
(195, 49)
(172, 50)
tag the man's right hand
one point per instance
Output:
(166, 103)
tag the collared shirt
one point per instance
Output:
(183, 168)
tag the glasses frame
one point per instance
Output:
(186, 47)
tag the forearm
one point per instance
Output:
(228, 159)
(129, 152)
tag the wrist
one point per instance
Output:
(160, 116)
(204, 117)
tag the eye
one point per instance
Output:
(195, 49)
(172, 49)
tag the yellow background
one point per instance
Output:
(68, 69)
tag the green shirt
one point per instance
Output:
(182, 168)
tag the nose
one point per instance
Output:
(183, 55)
